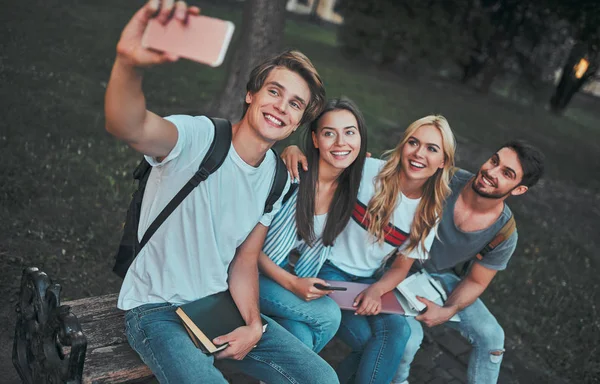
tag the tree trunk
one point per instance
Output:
(471, 69)
(260, 36)
(569, 84)
(487, 77)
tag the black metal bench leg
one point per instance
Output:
(49, 345)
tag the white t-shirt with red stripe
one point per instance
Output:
(355, 251)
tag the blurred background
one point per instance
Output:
(497, 70)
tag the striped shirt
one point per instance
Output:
(282, 238)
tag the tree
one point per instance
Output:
(584, 59)
(260, 36)
(504, 35)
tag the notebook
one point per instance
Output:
(209, 317)
(401, 300)
(345, 299)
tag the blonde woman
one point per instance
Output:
(398, 207)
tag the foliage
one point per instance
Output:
(584, 18)
(416, 29)
(481, 39)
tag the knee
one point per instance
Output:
(323, 374)
(355, 335)
(496, 355)
(332, 313)
(398, 327)
(328, 315)
(489, 335)
(335, 316)
(393, 331)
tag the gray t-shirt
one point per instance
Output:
(454, 246)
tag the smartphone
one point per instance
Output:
(203, 39)
(329, 287)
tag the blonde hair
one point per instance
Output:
(435, 190)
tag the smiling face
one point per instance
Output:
(500, 176)
(422, 154)
(275, 111)
(337, 139)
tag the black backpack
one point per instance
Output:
(130, 246)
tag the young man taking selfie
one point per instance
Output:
(211, 242)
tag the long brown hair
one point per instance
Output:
(348, 182)
(435, 190)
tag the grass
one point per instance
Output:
(66, 183)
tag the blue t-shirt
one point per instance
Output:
(454, 246)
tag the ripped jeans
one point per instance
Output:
(477, 325)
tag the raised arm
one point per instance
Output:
(125, 105)
(293, 157)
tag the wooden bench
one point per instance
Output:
(109, 358)
(79, 341)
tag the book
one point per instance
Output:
(402, 300)
(424, 285)
(209, 317)
(345, 299)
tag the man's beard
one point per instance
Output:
(489, 195)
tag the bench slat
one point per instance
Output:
(114, 364)
(109, 357)
(95, 308)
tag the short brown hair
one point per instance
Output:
(297, 62)
(531, 159)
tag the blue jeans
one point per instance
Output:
(157, 335)
(377, 342)
(478, 325)
(313, 322)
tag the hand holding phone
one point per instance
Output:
(329, 287)
(203, 39)
(130, 50)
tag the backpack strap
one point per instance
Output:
(504, 233)
(279, 182)
(289, 193)
(217, 152)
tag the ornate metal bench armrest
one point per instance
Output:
(49, 345)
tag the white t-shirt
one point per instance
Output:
(355, 251)
(318, 228)
(188, 256)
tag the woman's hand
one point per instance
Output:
(292, 156)
(130, 50)
(368, 302)
(304, 288)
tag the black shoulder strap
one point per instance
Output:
(289, 193)
(278, 185)
(217, 152)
